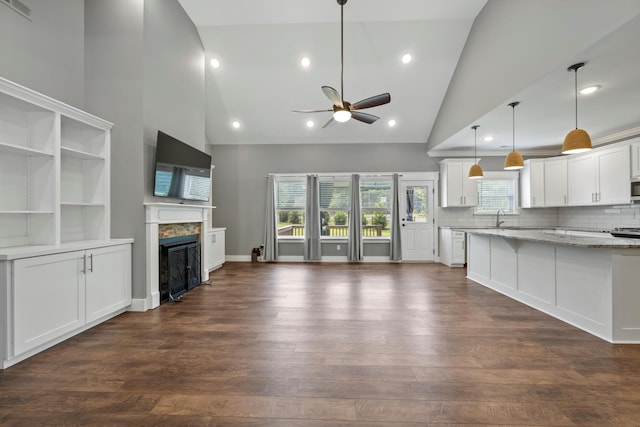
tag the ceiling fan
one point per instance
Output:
(343, 110)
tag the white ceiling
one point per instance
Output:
(260, 81)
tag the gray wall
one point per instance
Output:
(45, 54)
(145, 72)
(114, 74)
(239, 182)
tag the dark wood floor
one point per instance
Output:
(329, 345)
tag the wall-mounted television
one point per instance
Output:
(181, 171)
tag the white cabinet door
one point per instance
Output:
(457, 189)
(555, 182)
(108, 280)
(49, 298)
(581, 180)
(613, 176)
(635, 160)
(216, 240)
(532, 184)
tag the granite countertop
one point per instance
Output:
(592, 239)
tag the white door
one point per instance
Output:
(416, 220)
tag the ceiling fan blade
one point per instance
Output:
(374, 101)
(333, 95)
(311, 111)
(329, 123)
(364, 117)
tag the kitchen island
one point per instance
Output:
(587, 279)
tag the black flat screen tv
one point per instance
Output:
(181, 171)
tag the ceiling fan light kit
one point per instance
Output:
(578, 140)
(342, 110)
(514, 160)
(475, 171)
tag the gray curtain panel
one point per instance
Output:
(354, 245)
(312, 220)
(270, 226)
(396, 245)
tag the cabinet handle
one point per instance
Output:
(565, 199)
(84, 264)
(461, 202)
(91, 263)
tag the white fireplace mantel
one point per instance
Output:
(167, 213)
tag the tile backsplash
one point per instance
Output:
(584, 217)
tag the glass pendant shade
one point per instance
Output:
(475, 171)
(513, 161)
(578, 140)
(342, 116)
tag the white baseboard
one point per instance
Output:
(138, 305)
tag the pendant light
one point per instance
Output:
(475, 171)
(514, 160)
(578, 140)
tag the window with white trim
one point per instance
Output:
(375, 199)
(497, 191)
(291, 199)
(335, 202)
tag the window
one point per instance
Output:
(335, 197)
(375, 198)
(498, 190)
(291, 199)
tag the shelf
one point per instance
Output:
(72, 152)
(24, 151)
(25, 212)
(54, 171)
(82, 205)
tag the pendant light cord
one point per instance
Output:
(575, 73)
(342, 53)
(513, 130)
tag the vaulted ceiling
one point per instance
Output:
(260, 80)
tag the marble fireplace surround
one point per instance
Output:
(166, 213)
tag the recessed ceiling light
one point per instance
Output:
(305, 62)
(310, 124)
(392, 123)
(488, 138)
(215, 63)
(406, 58)
(589, 89)
(235, 124)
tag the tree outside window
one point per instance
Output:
(291, 197)
(375, 197)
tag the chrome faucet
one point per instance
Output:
(498, 222)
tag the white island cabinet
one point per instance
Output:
(60, 271)
(586, 280)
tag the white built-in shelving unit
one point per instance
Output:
(60, 271)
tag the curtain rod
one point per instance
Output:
(335, 174)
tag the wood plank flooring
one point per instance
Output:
(319, 345)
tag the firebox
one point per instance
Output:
(179, 266)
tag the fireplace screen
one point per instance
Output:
(179, 266)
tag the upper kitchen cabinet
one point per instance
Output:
(555, 182)
(599, 177)
(635, 159)
(457, 190)
(532, 189)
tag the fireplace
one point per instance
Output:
(165, 220)
(179, 266)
